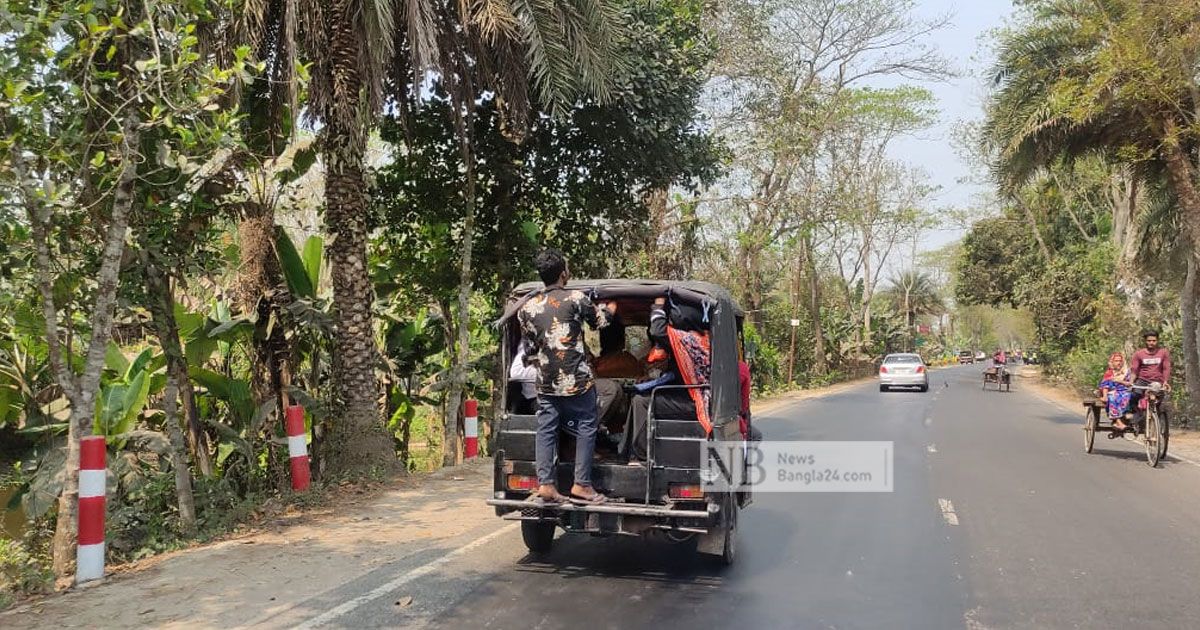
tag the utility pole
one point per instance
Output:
(792, 352)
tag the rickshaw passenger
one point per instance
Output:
(1114, 388)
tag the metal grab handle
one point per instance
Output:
(652, 428)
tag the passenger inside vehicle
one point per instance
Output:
(522, 384)
(615, 360)
(685, 361)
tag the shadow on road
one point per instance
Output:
(1138, 455)
(654, 560)
(620, 558)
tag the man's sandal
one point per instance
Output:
(595, 499)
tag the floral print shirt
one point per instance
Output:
(552, 327)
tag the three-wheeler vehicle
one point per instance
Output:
(663, 496)
(1155, 427)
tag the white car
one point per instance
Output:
(903, 370)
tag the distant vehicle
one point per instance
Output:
(980, 356)
(903, 370)
(966, 356)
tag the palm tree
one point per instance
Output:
(1111, 77)
(364, 54)
(914, 293)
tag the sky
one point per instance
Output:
(965, 46)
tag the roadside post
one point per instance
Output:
(471, 428)
(93, 482)
(792, 349)
(298, 448)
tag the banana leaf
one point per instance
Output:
(120, 404)
(294, 269)
(232, 391)
(314, 251)
(139, 364)
(114, 359)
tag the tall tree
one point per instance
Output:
(592, 169)
(95, 108)
(1117, 77)
(364, 53)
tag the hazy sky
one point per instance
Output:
(964, 45)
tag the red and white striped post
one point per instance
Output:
(298, 448)
(471, 428)
(89, 553)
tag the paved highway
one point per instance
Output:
(998, 520)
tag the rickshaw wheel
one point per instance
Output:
(1090, 422)
(538, 536)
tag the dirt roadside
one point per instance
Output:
(1184, 445)
(251, 577)
(236, 581)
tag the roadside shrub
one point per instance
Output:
(23, 571)
(764, 361)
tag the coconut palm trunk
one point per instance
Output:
(357, 440)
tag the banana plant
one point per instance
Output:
(122, 399)
(240, 434)
(301, 269)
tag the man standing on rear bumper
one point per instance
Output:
(552, 328)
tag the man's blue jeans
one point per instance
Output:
(576, 415)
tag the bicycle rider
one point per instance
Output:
(1151, 364)
(999, 358)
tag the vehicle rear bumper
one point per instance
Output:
(903, 380)
(613, 519)
(626, 509)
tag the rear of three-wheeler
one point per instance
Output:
(664, 496)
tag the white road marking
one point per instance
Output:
(403, 579)
(932, 448)
(948, 511)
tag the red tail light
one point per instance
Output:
(685, 491)
(522, 482)
(920, 368)
(882, 369)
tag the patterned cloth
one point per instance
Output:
(1117, 393)
(552, 329)
(693, 358)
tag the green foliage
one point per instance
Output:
(302, 271)
(122, 400)
(767, 366)
(22, 571)
(994, 255)
(576, 181)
